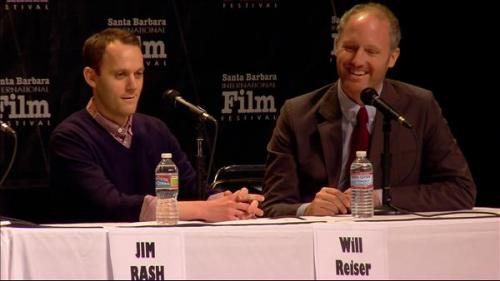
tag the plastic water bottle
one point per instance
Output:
(362, 186)
(167, 188)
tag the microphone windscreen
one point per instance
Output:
(171, 94)
(368, 96)
(4, 127)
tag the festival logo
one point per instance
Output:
(248, 97)
(151, 33)
(24, 101)
(250, 4)
(25, 5)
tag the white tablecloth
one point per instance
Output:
(268, 249)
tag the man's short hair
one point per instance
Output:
(95, 46)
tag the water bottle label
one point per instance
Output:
(362, 180)
(167, 181)
(174, 182)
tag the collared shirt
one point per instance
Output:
(122, 134)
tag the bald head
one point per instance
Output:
(362, 11)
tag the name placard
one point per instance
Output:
(346, 254)
(147, 254)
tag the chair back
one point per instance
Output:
(234, 177)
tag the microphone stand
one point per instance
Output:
(386, 208)
(200, 163)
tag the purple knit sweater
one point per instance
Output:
(95, 178)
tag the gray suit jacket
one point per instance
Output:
(428, 173)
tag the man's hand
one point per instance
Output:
(243, 196)
(329, 201)
(232, 206)
(253, 211)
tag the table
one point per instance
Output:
(452, 248)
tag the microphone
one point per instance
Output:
(6, 128)
(175, 97)
(370, 97)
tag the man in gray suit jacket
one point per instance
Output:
(307, 168)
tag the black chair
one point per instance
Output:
(234, 177)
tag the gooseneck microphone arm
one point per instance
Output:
(176, 98)
(370, 97)
(203, 175)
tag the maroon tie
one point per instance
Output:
(360, 138)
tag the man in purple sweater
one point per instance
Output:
(103, 157)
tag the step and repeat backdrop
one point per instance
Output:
(238, 59)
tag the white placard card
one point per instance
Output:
(147, 254)
(346, 254)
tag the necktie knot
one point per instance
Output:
(360, 137)
(362, 117)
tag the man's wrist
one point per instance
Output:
(301, 211)
(148, 209)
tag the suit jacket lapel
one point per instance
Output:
(330, 131)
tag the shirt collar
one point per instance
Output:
(350, 109)
(121, 134)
